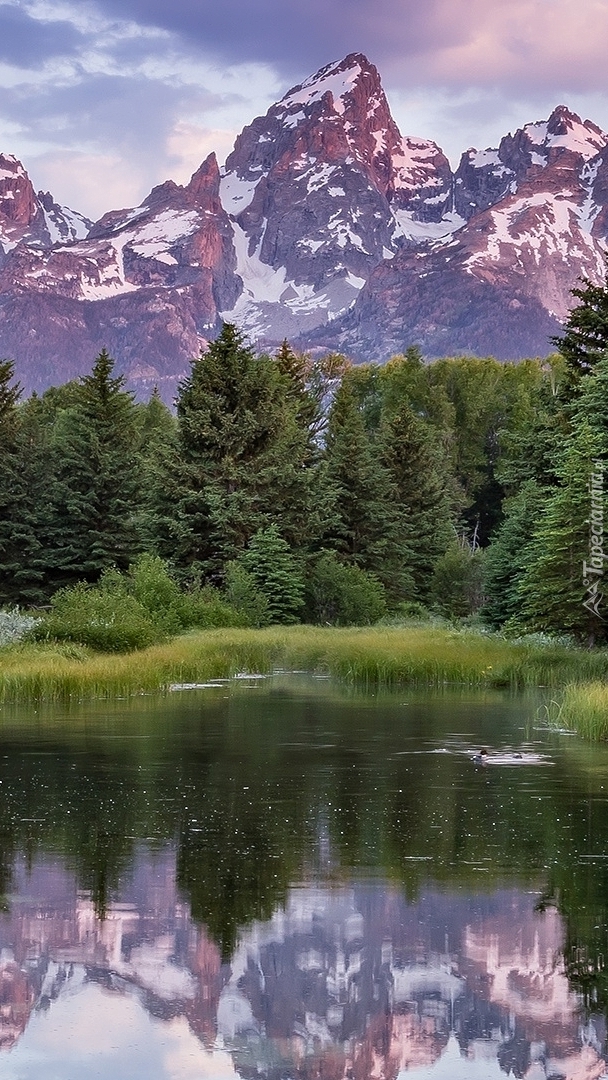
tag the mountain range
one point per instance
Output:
(325, 226)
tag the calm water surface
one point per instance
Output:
(284, 878)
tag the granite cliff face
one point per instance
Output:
(325, 226)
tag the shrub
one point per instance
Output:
(244, 595)
(14, 626)
(456, 589)
(150, 582)
(110, 621)
(205, 607)
(342, 595)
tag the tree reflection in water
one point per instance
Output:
(298, 874)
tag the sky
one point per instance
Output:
(102, 100)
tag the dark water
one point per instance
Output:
(284, 878)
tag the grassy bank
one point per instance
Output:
(385, 656)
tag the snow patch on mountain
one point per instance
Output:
(411, 228)
(566, 130)
(157, 235)
(335, 78)
(236, 193)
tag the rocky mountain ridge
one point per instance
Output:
(325, 226)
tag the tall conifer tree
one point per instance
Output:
(18, 542)
(242, 459)
(410, 451)
(369, 530)
(98, 482)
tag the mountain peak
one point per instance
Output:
(565, 130)
(338, 77)
(10, 167)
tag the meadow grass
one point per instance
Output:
(375, 656)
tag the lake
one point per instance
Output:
(284, 877)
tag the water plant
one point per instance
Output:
(583, 708)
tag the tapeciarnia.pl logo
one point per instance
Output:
(593, 571)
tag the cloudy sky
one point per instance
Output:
(102, 100)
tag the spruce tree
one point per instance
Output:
(98, 483)
(585, 338)
(410, 452)
(369, 528)
(553, 587)
(277, 575)
(508, 556)
(242, 459)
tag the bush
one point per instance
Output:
(205, 607)
(243, 594)
(341, 595)
(457, 589)
(150, 582)
(14, 626)
(110, 621)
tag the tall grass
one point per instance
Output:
(376, 656)
(584, 709)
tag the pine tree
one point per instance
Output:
(553, 587)
(585, 338)
(369, 528)
(411, 454)
(242, 459)
(98, 482)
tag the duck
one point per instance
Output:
(481, 757)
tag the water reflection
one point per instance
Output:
(342, 982)
(295, 883)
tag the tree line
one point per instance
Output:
(310, 489)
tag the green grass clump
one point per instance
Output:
(372, 656)
(584, 709)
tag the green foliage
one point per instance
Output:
(244, 595)
(585, 338)
(243, 459)
(108, 620)
(342, 595)
(96, 492)
(368, 529)
(277, 575)
(151, 584)
(25, 486)
(509, 555)
(456, 589)
(132, 610)
(411, 453)
(173, 609)
(551, 589)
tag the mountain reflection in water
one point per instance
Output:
(350, 981)
(296, 881)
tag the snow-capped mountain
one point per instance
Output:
(320, 191)
(325, 226)
(30, 218)
(537, 222)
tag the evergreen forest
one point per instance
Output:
(287, 488)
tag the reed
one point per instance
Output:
(375, 656)
(584, 708)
